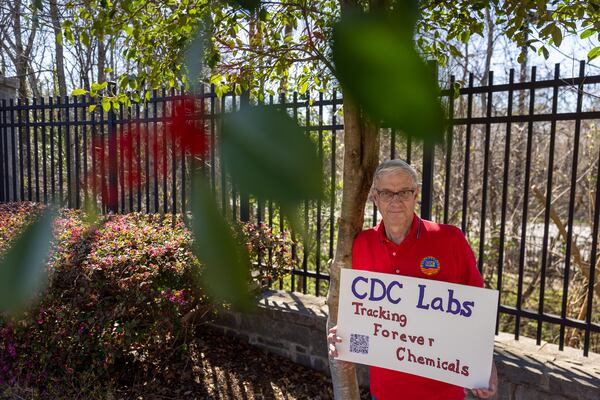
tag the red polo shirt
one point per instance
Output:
(430, 251)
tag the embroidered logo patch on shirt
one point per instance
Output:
(430, 266)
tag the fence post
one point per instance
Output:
(3, 135)
(113, 191)
(244, 197)
(428, 155)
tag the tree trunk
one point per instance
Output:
(361, 156)
(58, 47)
(21, 59)
(101, 60)
(489, 51)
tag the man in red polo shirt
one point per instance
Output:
(407, 245)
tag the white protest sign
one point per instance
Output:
(438, 330)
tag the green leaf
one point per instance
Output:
(269, 156)
(543, 50)
(379, 68)
(91, 108)
(587, 33)
(106, 104)
(303, 88)
(522, 57)
(23, 267)
(595, 52)
(225, 260)
(99, 86)
(85, 38)
(557, 35)
(78, 92)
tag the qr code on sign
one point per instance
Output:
(359, 343)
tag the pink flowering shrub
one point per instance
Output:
(270, 252)
(119, 305)
(13, 217)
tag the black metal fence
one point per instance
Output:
(518, 172)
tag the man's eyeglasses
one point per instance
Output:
(388, 195)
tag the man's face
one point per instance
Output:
(398, 210)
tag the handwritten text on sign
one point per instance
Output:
(438, 330)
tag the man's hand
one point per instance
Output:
(491, 389)
(332, 339)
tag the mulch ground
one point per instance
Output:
(225, 368)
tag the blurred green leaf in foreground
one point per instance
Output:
(23, 267)
(379, 68)
(225, 260)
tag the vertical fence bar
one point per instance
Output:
(427, 179)
(192, 118)
(130, 155)
(282, 101)
(408, 149)
(319, 233)
(121, 157)
(467, 156)
(7, 143)
(305, 249)
(3, 153)
(94, 140)
(547, 206)
(113, 190)
(7, 154)
(36, 162)
(522, 251)
(212, 122)
(486, 166)
(222, 161)
(14, 147)
(449, 142)
(233, 189)
(155, 147)
(592, 276)
(28, 148)
(105, 196)
(44, 155)
(68, 153)
(244, 198)
(52, 130)
(565, 296)
(333, 174)
(511, 80)
(392, 143)
(138, 152)
(294, 246)
(84, 127)
(173, 155)
(59, 158)
(147, 152)
(18, 123)
(8, 139)
(164, 152)
(76, 137)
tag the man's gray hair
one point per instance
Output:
(389, 166)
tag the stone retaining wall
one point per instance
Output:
(293, 325)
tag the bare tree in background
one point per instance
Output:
(58, 48)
